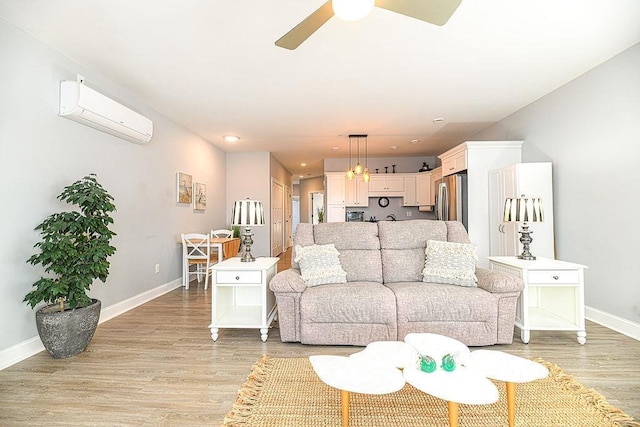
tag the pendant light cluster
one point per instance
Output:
(358, 169)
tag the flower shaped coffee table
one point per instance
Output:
(397, 362)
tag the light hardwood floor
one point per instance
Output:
(157, 365)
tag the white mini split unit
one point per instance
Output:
(87, 106)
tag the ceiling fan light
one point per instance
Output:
(352, 10)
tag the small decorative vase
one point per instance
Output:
(427, 364)
(448, 363)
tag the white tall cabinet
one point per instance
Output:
(531, 180)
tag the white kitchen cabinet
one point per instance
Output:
(356, 192)
(531, 180)
(335, 188)
(386, 185)
(335, 213)
(552, 298)
(454, 160)
(409, 195)
(241, 297)
(423, 189)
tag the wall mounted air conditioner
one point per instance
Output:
(87, 106)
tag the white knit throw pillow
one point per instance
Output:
(450, 263)
(320, 264)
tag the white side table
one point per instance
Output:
(241, 297)
(552, 298)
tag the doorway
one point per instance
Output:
(316, 213)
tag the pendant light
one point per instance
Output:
(358, 169)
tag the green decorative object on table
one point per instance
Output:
(448, 363)
(427, 364)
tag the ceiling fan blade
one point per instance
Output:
(435, 12)
(308, 26)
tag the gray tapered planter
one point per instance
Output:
(67, 333)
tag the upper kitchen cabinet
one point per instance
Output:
(410, 196)
(356, 192)
(423, 189)
(454, 160)
(386, 185)
(335, 188)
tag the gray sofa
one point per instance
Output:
(385, 298)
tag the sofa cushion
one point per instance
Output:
(320, 264)
(403, 244)
(354, 313)
(449, 262)
(467, 314)
(359, 248)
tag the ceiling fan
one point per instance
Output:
(435, 12)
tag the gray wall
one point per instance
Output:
(590, 130)
(40, 153)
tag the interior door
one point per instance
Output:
(277, 218)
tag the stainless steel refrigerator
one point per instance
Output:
(451, 199)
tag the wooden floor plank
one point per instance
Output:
(157, 365)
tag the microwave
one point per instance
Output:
(355, 216)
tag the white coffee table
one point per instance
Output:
(508, 368)
(356, 375)
(463, 385)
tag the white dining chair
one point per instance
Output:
(221, 233)
(196, 251)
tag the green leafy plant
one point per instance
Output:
(75, 246)
(320, 211)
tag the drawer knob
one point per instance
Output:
(237, 277)
(556, 277)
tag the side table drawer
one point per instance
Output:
(249, 277)
(552, 276)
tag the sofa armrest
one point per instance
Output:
(287, 281)
(498, 281)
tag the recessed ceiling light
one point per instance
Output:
(303, 164)
(415, 141)
(335, 148)
(231, 138)
(394, 147)
(438, 120)
(301, 176)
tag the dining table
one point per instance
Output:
(225, 247)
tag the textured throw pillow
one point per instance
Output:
(449, 262)
(320, 264)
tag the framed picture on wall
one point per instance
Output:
(199, 196)
(184, 188)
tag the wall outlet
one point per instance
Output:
(408, 213)
(157, 268)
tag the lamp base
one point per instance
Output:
(247, 241)
(526, 240)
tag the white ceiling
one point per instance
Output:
(212, 66)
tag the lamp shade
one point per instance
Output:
(523, 209)
(247, 212)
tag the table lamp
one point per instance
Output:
(247, 213)
(524, 209)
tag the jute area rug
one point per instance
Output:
(286, 392)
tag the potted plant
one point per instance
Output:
(74, 250)
(320, 211)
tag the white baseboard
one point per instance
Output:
(618, 324)
(28, 348)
